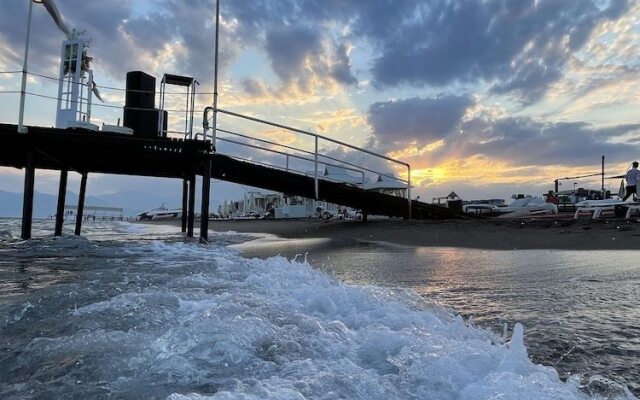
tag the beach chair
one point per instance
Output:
(631, 209)
(597, 207)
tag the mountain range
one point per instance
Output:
(133, 202)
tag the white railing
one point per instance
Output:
(290, 152)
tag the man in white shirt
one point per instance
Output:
(632, 178)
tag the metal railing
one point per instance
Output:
(290, 152)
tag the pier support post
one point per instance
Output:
(27, 201)
(80, 213)
(204, 210)
(62, 194)
(192, 205)
(185, 198)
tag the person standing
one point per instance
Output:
(632, 177)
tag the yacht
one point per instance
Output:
(161, 212)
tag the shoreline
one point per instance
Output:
(487, 234)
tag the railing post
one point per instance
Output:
(315, 173)
(287, 164)
(409, 189)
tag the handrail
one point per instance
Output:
(288, 155)
(262, 121)
(303, 151)
(315, 152)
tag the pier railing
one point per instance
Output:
(317, 156)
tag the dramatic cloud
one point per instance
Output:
(417, 119)
(525, 141)
(522, 45)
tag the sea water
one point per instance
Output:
(135, 312)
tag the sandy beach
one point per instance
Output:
(495, 234)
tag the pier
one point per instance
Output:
(86, 152)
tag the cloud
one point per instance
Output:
(289, 48)
(424, 120)
(522, 45)
(526, 141)
(519, 47)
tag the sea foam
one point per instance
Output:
(186, 321)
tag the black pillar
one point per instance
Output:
(192, 205)
(80, 213)
(62, 194)
(27, 201)
(204, 210)
(185, 198)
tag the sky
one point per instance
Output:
(486, 98)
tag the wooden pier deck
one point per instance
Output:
(86, 152)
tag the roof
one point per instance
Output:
(385, 180)
(177, 80)
(337, 174)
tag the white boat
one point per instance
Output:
(527, 206)
(161, 212)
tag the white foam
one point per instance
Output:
(209, 324)
(278, 329)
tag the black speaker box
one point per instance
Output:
(144, 122)
(141, 90)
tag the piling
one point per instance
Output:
(62, 194)
(192, 205)
(204, 210)
(185, 198)
(27, 201)
(80, 214)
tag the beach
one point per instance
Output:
(491, 234)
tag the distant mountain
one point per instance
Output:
(133, 202)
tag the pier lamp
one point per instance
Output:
(23, 88)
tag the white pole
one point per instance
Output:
(23, 88)
(409, 189)
(315, 172)
(215, 80)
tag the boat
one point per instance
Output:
(526, 206)
(161, 212)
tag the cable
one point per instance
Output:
(10, 72)
(116, 88)
(98, 104)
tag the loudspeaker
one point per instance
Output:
(141, 90)
(164, 123)
(145, 122)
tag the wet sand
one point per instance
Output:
(495, 234)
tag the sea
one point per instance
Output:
(132, 311)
